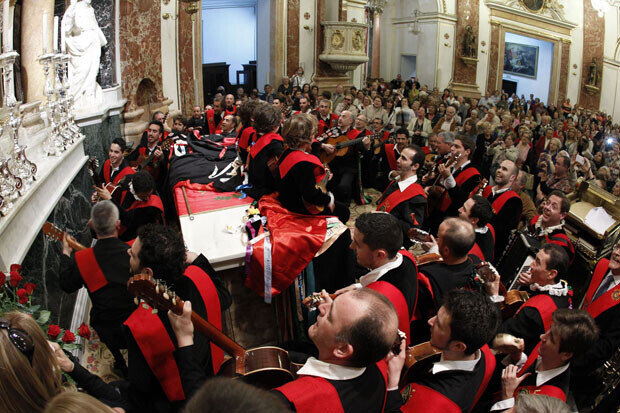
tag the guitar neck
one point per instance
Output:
(341, 145)
(215, 335)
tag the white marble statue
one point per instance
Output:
(83, 40)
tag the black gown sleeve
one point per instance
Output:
(69, 274)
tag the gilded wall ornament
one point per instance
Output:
(337, 40)
(534, 6)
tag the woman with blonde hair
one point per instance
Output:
(77, 402)
(31, 368)
(29, 373)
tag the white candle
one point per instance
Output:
(44, 28)
(55, 46)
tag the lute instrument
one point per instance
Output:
(322, 186)
(53, 232)
(145, 162)
(266, 367)
(513, 299)
(435, 192)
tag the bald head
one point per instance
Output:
(375, 329)
(456, 237)
(345, 120)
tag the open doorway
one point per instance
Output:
(528, 63)
(407, 66)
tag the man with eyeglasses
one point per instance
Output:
(602, 301)
(346, 104)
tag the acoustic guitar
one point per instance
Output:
(342, 144)
(322, 186)
(145, 162)
(267, 367)
(53, 232)
(513, 299)
(114, 190)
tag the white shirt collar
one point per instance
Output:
(495, 192)
(548, 230)
(559, 290)
(402, 185)
(481, 230)
(467, 365)
(544, 376)
(318, 368)
(378, 272)
(615, 282)
(462, 166)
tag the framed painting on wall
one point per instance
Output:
(521, 60)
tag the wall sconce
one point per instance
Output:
(310, 29)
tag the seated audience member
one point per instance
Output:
(548, 227)
(301, 175)
(233, 396)
(547, 369)
(547, 293)
(529, 208)
(506, 204)
(420, 127)
(264, 154)
(155, 384)
(447, 123)
(377, 242)
(466, 321)
(197, 122)
(558, 180)
(179, 130)
(214, 117)
(104, 271)
(404, 197)
(78, 402)
(139, 205)
(603, 305)
(229, 127)
(353, 334)
(478, 211)
(31, 368)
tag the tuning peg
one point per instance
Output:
(136, 301)
(154, 311)
(157, 284)
(174, 298)
(166, 296)
(145, 306)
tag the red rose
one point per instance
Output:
(2, 278)
(30, 288)
(15, 279)
(53, 331)
(22, 294)
(84, 331)
(17, 268)
(68, 337)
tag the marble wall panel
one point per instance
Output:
(140, 37)
(564, 72)
(104, 11)
(493, 56)
(593, 35)
(99, 136)
(468, 12)
(186, 62)
(41, 263)
(292, 37)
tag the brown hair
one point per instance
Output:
(266, 118)
(576, 330)
(75, 402)
(298, 129)
(24, 386)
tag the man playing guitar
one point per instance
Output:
(115, 167)
(156, 166)
(156, 384)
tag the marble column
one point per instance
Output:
(376, 43)
(32, 45)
